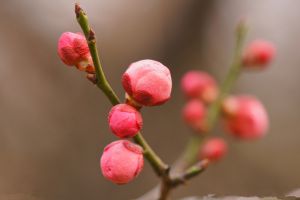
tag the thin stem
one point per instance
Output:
(101, 81)
(190, 173)
(231, 77)
(189, 156)
(158, 165)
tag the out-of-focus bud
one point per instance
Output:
(124, 121)
(198, 84)
(74, 51)
(194, 113)
(245, 117)
(213, 149)
(148, 82)
(121, 161)
(258, 54)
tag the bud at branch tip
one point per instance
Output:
(78, 10)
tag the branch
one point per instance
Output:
(214, 110)
(233, 74)
(191, 151)
(157, 164)
(101, 81)
(189, 155)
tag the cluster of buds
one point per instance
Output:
(201, 90)
(146, 82)
(149, 83)
(243, 116)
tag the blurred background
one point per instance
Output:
(53, 124)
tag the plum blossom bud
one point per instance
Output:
(148, 82)
(245, 117)
(121, 161)
(194, 113)
(74, 51)
(124, 121)
(258, 54)
(198, 84)
(213, 149)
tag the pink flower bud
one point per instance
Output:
(148, 82)
(124, 120)
(258, 54)
(122, 161)
(194, 113)
(245, 117)
(213, 149)
(198, 84)
(74, 51)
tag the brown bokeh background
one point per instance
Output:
(53, 122)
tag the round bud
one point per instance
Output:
(148, 82)
(121, 161)
(194, 113)
(258, 54)
(198, 84)
(245, 117)
(213, 149)
(73, 50)
(124, 121)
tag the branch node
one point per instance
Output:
(167, 170)
(91, 36)
(204, 163)
(92, 78)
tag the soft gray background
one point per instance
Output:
(53, 122)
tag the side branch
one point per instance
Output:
(190, 173)
(170, 183)
(191, 151)
(233, 74)
(214, 110)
